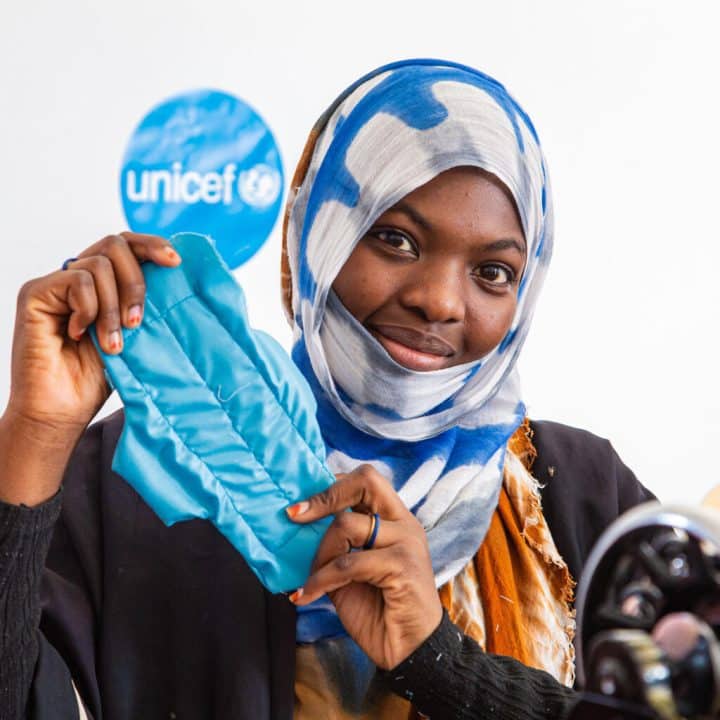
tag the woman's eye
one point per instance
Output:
(496, 274)
(397, 240)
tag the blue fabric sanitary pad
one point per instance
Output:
(219, 423)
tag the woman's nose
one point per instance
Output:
(436, 293)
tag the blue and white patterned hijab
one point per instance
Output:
(440, 437)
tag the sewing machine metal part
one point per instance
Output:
(648, 618)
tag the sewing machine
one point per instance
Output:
(648, 617)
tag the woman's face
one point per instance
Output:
(435, 279)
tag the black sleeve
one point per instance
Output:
(450, 676)
(28, 665)
(585, 486)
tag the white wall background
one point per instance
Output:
(624, 95)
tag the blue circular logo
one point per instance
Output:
(204, 162)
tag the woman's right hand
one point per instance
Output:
(57, 379)
(384, 594)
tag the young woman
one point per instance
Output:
(418, 232)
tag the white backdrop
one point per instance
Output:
(624, 95)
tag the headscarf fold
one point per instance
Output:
(440, 436)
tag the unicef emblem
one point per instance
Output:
(205, 162)
(260, 185)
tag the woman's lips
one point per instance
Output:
(413, 349)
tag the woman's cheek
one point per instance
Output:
(363, 284)
(491, 327)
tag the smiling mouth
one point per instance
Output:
(413, 349)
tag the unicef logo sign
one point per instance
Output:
(204, 162)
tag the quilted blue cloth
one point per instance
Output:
(219, 423)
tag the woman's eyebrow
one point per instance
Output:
(413, 214)
(505, 244)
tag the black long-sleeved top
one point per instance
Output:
(147, 621)
(449, 676)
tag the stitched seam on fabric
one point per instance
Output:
(197, 295)
(232, 425)
(196, 454)
(269, 386)
(161, 315)
(218, 402)
(222, 406)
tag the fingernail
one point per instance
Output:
(296, 595)
(170, 252)
(79, 334)
(115, 340)
(297, 509)
(135, 315)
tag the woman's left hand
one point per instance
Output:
(384, 596)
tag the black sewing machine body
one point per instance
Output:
(648, 618)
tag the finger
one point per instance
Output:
(380, 568)
(82, 302)
(129, 279)
(153, 248)
(107, 319)
(363, 489)
(353, 530)
(145, 248)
